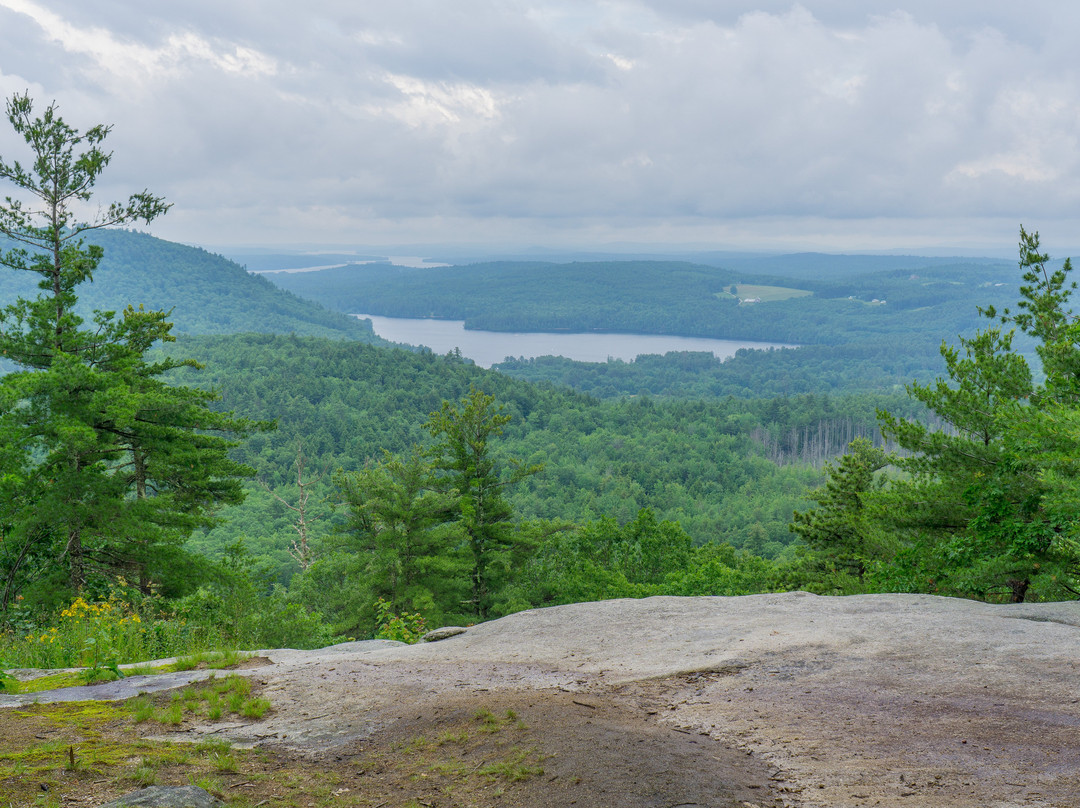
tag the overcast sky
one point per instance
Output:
(831, 124)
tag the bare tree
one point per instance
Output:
(300, 549)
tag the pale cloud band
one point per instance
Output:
(828, 125)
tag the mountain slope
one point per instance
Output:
(207, 294)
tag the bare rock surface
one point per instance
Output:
(791, 699)
(167, 797)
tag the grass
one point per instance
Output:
(475, 759)
(769, 294)
(214, 697)
(215, 660)
(515, 768)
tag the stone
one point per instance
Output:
(167, 797)
(442, 633)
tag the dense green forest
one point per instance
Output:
(234, 487)
(203, 292)
(860, 330)
(713, 465)
(665, 298)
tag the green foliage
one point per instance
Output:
(473, 474)
(646, 556)
(844, 528)
(986, 506)
(238, 607)
(661, 297)
(702, 463)
(106, 468)
(404, 627)
(399, 527)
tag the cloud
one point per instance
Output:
(478, 119)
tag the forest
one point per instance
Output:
(237, 466)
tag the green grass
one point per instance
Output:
(215, 660)
(214, 697)
(516, 768)
(769, 294)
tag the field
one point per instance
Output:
(768, 294)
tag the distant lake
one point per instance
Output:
(486, 348)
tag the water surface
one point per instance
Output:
(488, 347)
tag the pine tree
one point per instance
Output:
(108, 467)
(842, 529)
(473, 474)
(994, 494)
(398, 525)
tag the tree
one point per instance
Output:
(110, 465)
(842, 529)
(986, 493)
(477, 481)
(300, 548)
(399, 527)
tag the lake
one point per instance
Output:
(486, 348)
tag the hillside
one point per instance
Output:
(707, 464)
(657, 297)
(207, 294)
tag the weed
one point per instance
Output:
(402, 627)
(224, 762)
(142, 670)
(215, 660)
(453, 737)
(515, 768)
(173, 714)
(145, 775)
(207, 783)
(488, 721)
(215, 697)
(255, 708)
(8, 683)
(142, 709)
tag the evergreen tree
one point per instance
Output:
(992, 494)
(842, 529)
(399, 528)
(108, 467)
(477, 481)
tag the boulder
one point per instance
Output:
(442, 633)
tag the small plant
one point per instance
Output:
(142, 710)
(488, 721)
(207, 783)
(8, 683)
(144, 775)
(216, 697)
(404, 627)
(255, 708)
(515, 768)
(173, 714)
(453, 737)
(215, 660)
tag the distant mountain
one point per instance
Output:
(889, 299)
(207, 294)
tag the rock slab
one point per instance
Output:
(167, 797)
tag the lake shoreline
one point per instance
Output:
(487, 348)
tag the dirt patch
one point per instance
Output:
(891, 700)
(508, 750)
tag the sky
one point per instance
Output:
(837, 125)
